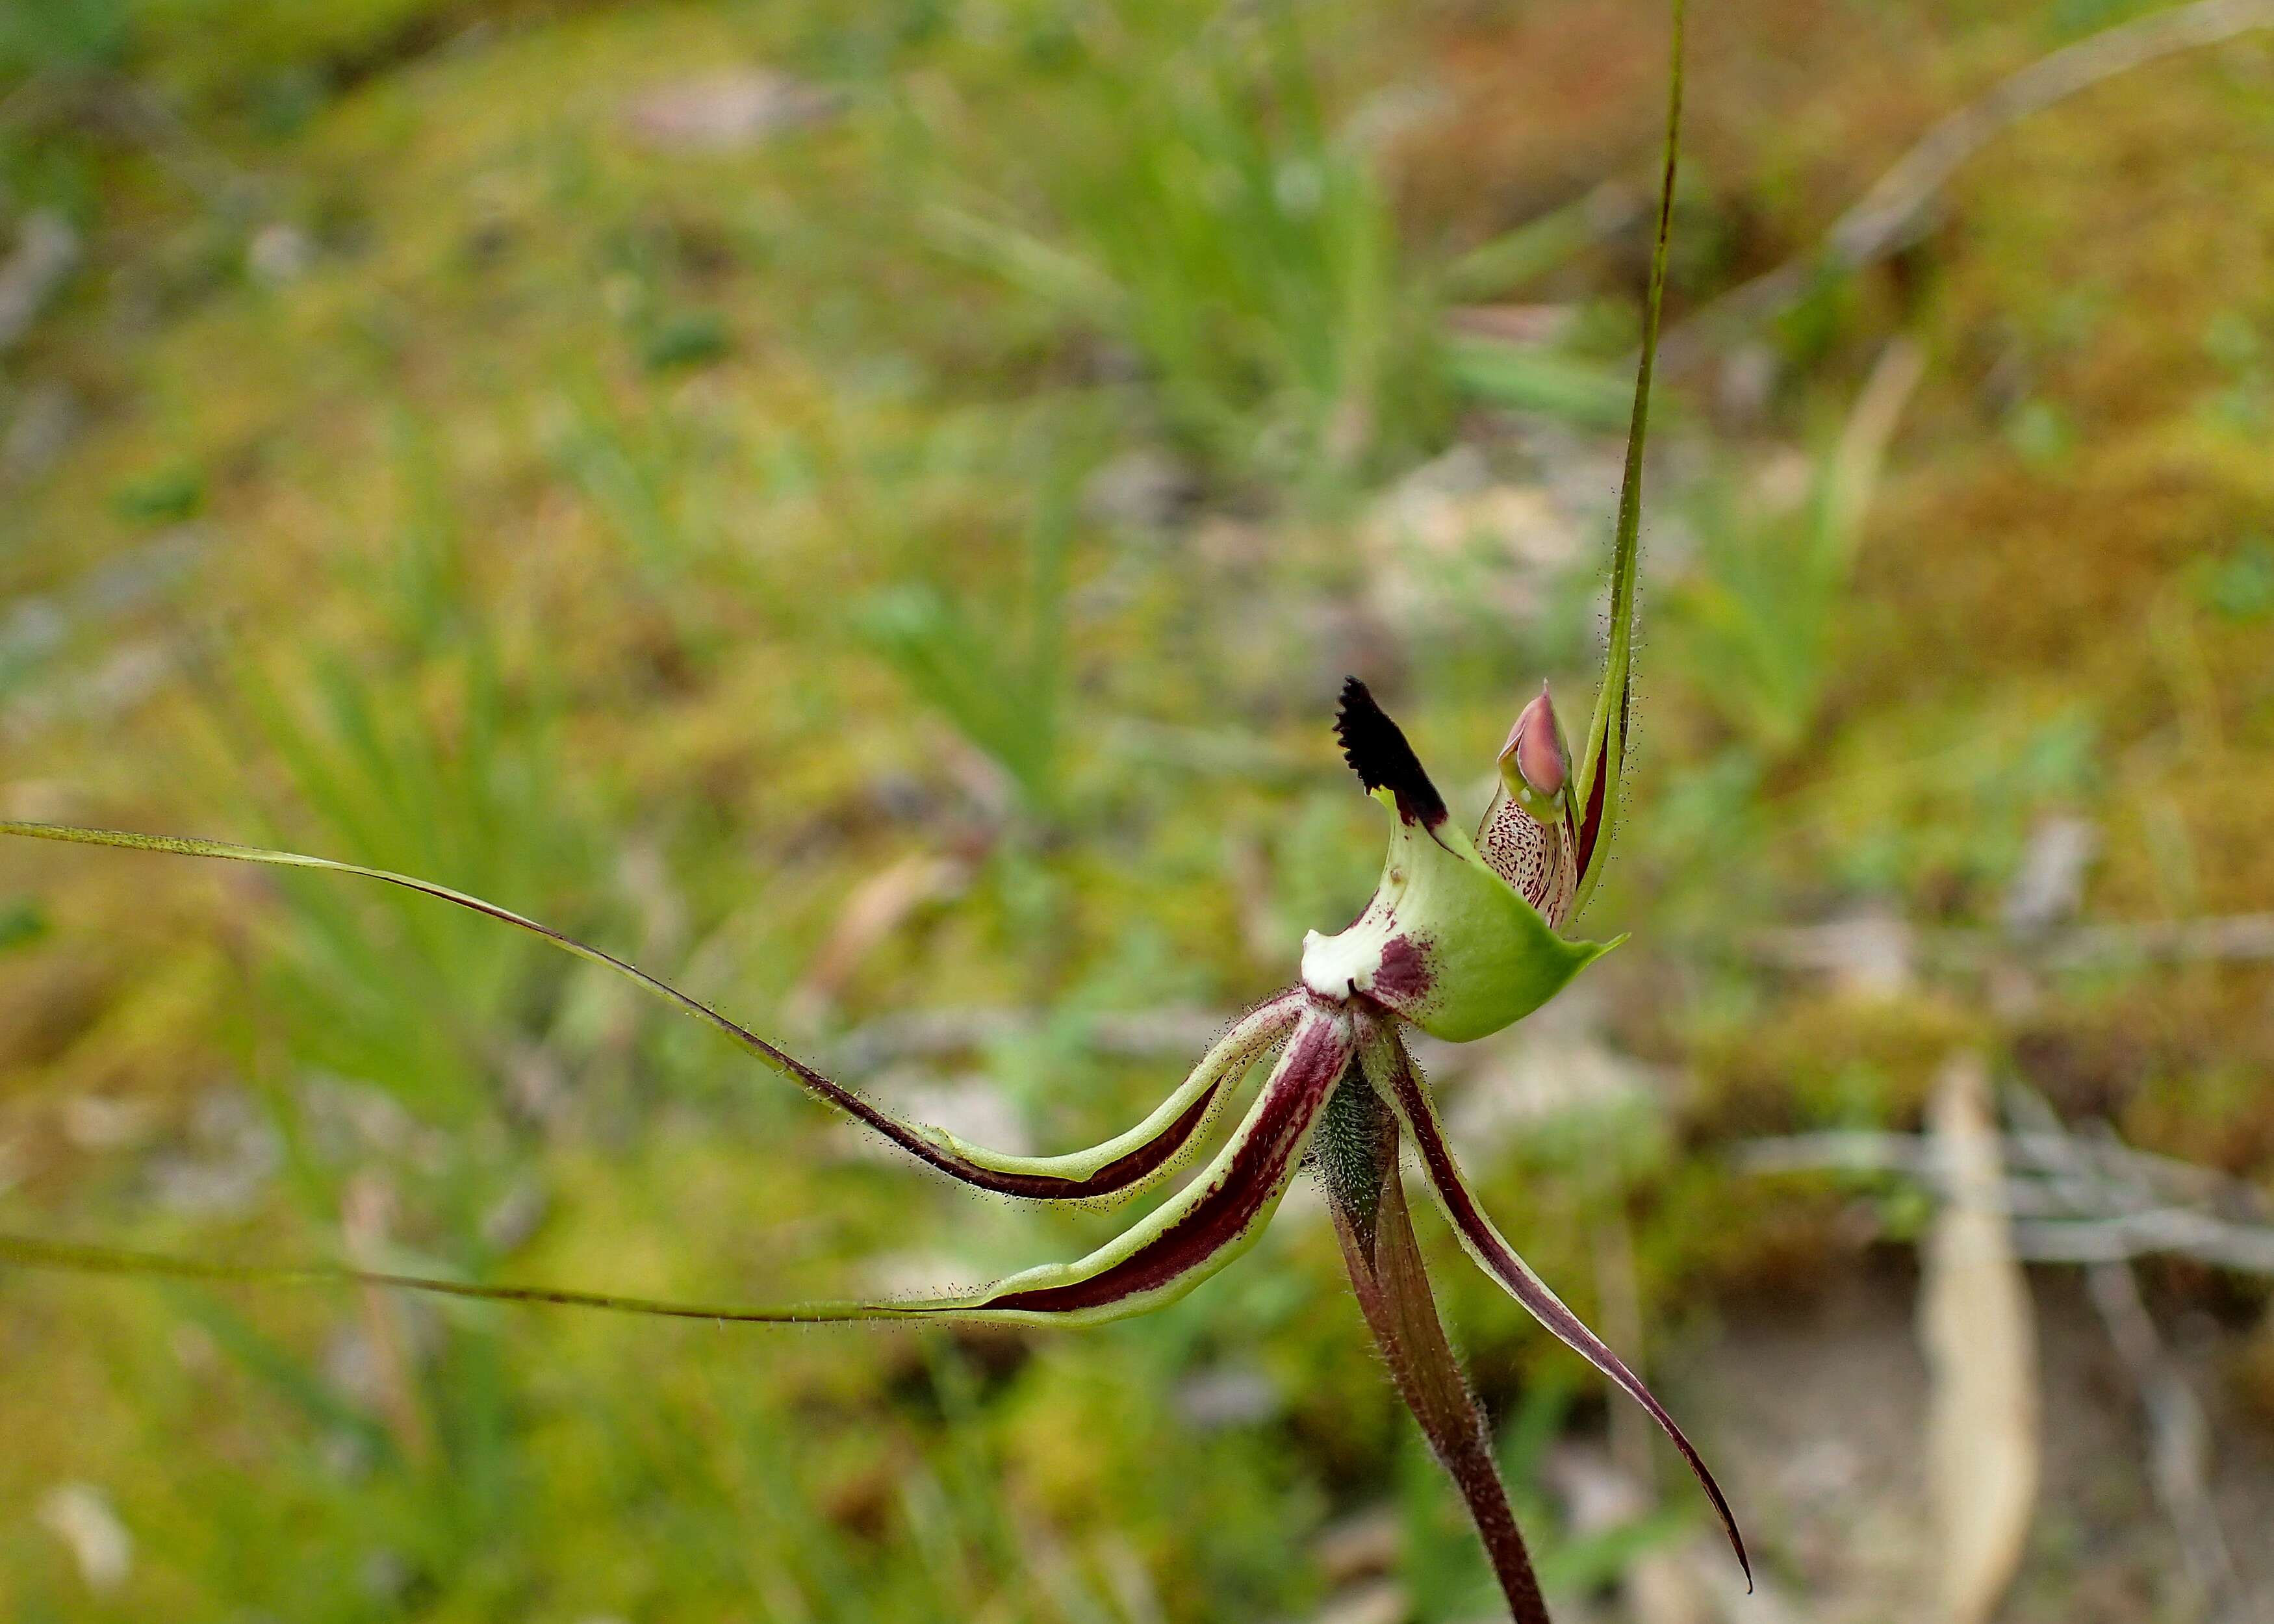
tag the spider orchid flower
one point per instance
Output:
(1460, 940)
(1463, 937)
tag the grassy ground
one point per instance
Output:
(428, 467)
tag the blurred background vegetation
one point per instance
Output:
(863, 508)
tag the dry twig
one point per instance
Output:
(1890, 215)
(1841, 947)
(2180, 1451)
(2115, 1203)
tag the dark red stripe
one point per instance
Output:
(1607, 763)
(1591, 826)
(1314, 1064)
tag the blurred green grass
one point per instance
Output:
(1007, 465)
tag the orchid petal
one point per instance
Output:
(1119, 1165)
(1538, 861)
(1528, 836)
(1143, 1154)
(1391, 1071)
(28, 1251)
(1209, 1224)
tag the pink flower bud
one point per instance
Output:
(1535, 750)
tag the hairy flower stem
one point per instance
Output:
(1358, 1154)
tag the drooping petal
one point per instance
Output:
(70, 1257)
(1392, 1073)
(1119, 1165)
(1208, 1225)
(1211, 1222)
(1143, 1154)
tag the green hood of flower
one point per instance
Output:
(1446, 943)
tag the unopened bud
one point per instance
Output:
(1534, 764)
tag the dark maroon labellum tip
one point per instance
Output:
(1378, 752)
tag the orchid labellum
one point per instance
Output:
(1463, 937)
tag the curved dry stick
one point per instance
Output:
(1391, 1071)
(1120, 1165)
(1210, 1223)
